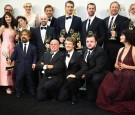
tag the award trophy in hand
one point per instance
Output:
(47, 41)
(71, 31)
(113, 26)
(131, 25)
(9, 66)
(62, 34)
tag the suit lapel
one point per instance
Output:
(72, 59)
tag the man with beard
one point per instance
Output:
(93, 24)
(130, 24)
(25, 56)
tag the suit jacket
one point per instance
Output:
(24, 62)
(97, 27)
(75, 25)
(77, 65)
(96, 61)
(118, 21)
(0, 22)
(57, 61)
(38, 39)
(53, 22)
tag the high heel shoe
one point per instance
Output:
(8, 90)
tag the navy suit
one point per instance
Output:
(38, 39)
(77, 67)
(75, 25)
(23, 67)
(97, 27)
(53, 78)
(53, 22)
(112, 46)
(96, 63)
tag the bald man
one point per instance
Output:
(42, 33)
(52, 66)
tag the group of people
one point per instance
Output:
(54, 57)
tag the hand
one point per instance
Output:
(79, 45)
(61, 39)
(71, 76)
(42, 63)
(47, 46)
(83, 77)
(33, 66)
(49, 66)
(9, 61)
(113, 33)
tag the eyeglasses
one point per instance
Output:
(8, 10)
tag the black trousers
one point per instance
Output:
(70, 88)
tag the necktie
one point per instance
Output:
(43, 28)
(51, 53)
(88, 25)
(68, 55)
(86, 58)
(69, 17)
(111, 23)
(24, 50)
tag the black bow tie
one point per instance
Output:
(68, 55)
(49, 19)
(43, 28)
(69, 17)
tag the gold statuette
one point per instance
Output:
(113, 26)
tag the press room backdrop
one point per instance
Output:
(80, 7)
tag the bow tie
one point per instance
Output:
(68, 55)
(49, 19)
(43, 28)
(69, 17)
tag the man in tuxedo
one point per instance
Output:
(75, 68)
(93, 24)
(43, 35)
(69, 23)
(52, 66)
(95, 58)
(26, 58)
(113, 25)
(23, 24)
(49, 10)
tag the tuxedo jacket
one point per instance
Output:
(97, 27)
(118, 21)
(40, 45)
(75, 25)
(96, 62)
(53, 22)
(76, 66)
(57, 61)
(24, 62)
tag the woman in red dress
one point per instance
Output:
(117, 91)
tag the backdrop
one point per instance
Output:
(80, 7)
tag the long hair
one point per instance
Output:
(12, 20)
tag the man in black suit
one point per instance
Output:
(26, 57)
(94, 25)
(75, 68)
(49, 10)
(113, 25)
(95, 58)
(52, 66)
(68, 23)
(43, 35)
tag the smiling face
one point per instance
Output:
(49, 12)
(122, 38)
(91, 9)
(28, 7)
(8, 19)
(54, 45)
(69, 46)
(69, 8)
(8, 8)
(114, 8)
(43, 20)
(22, 23)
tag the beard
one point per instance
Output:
(132, 17)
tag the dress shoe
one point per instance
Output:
(74, 99)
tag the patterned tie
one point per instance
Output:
(110, 23)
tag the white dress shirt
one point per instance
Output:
(113, 19)
(27, 45)
(43, 33)
(68, 23)
(91, 19)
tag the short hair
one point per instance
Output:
(130, 36)
(27, 31)
(130, 7)
(4, 21)
(48, 6)
(91, 4)
(71, 39)
(27, 3)
(116, 3)
(9, 6)
(22, 17)
(92, 34)
(70, 2)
